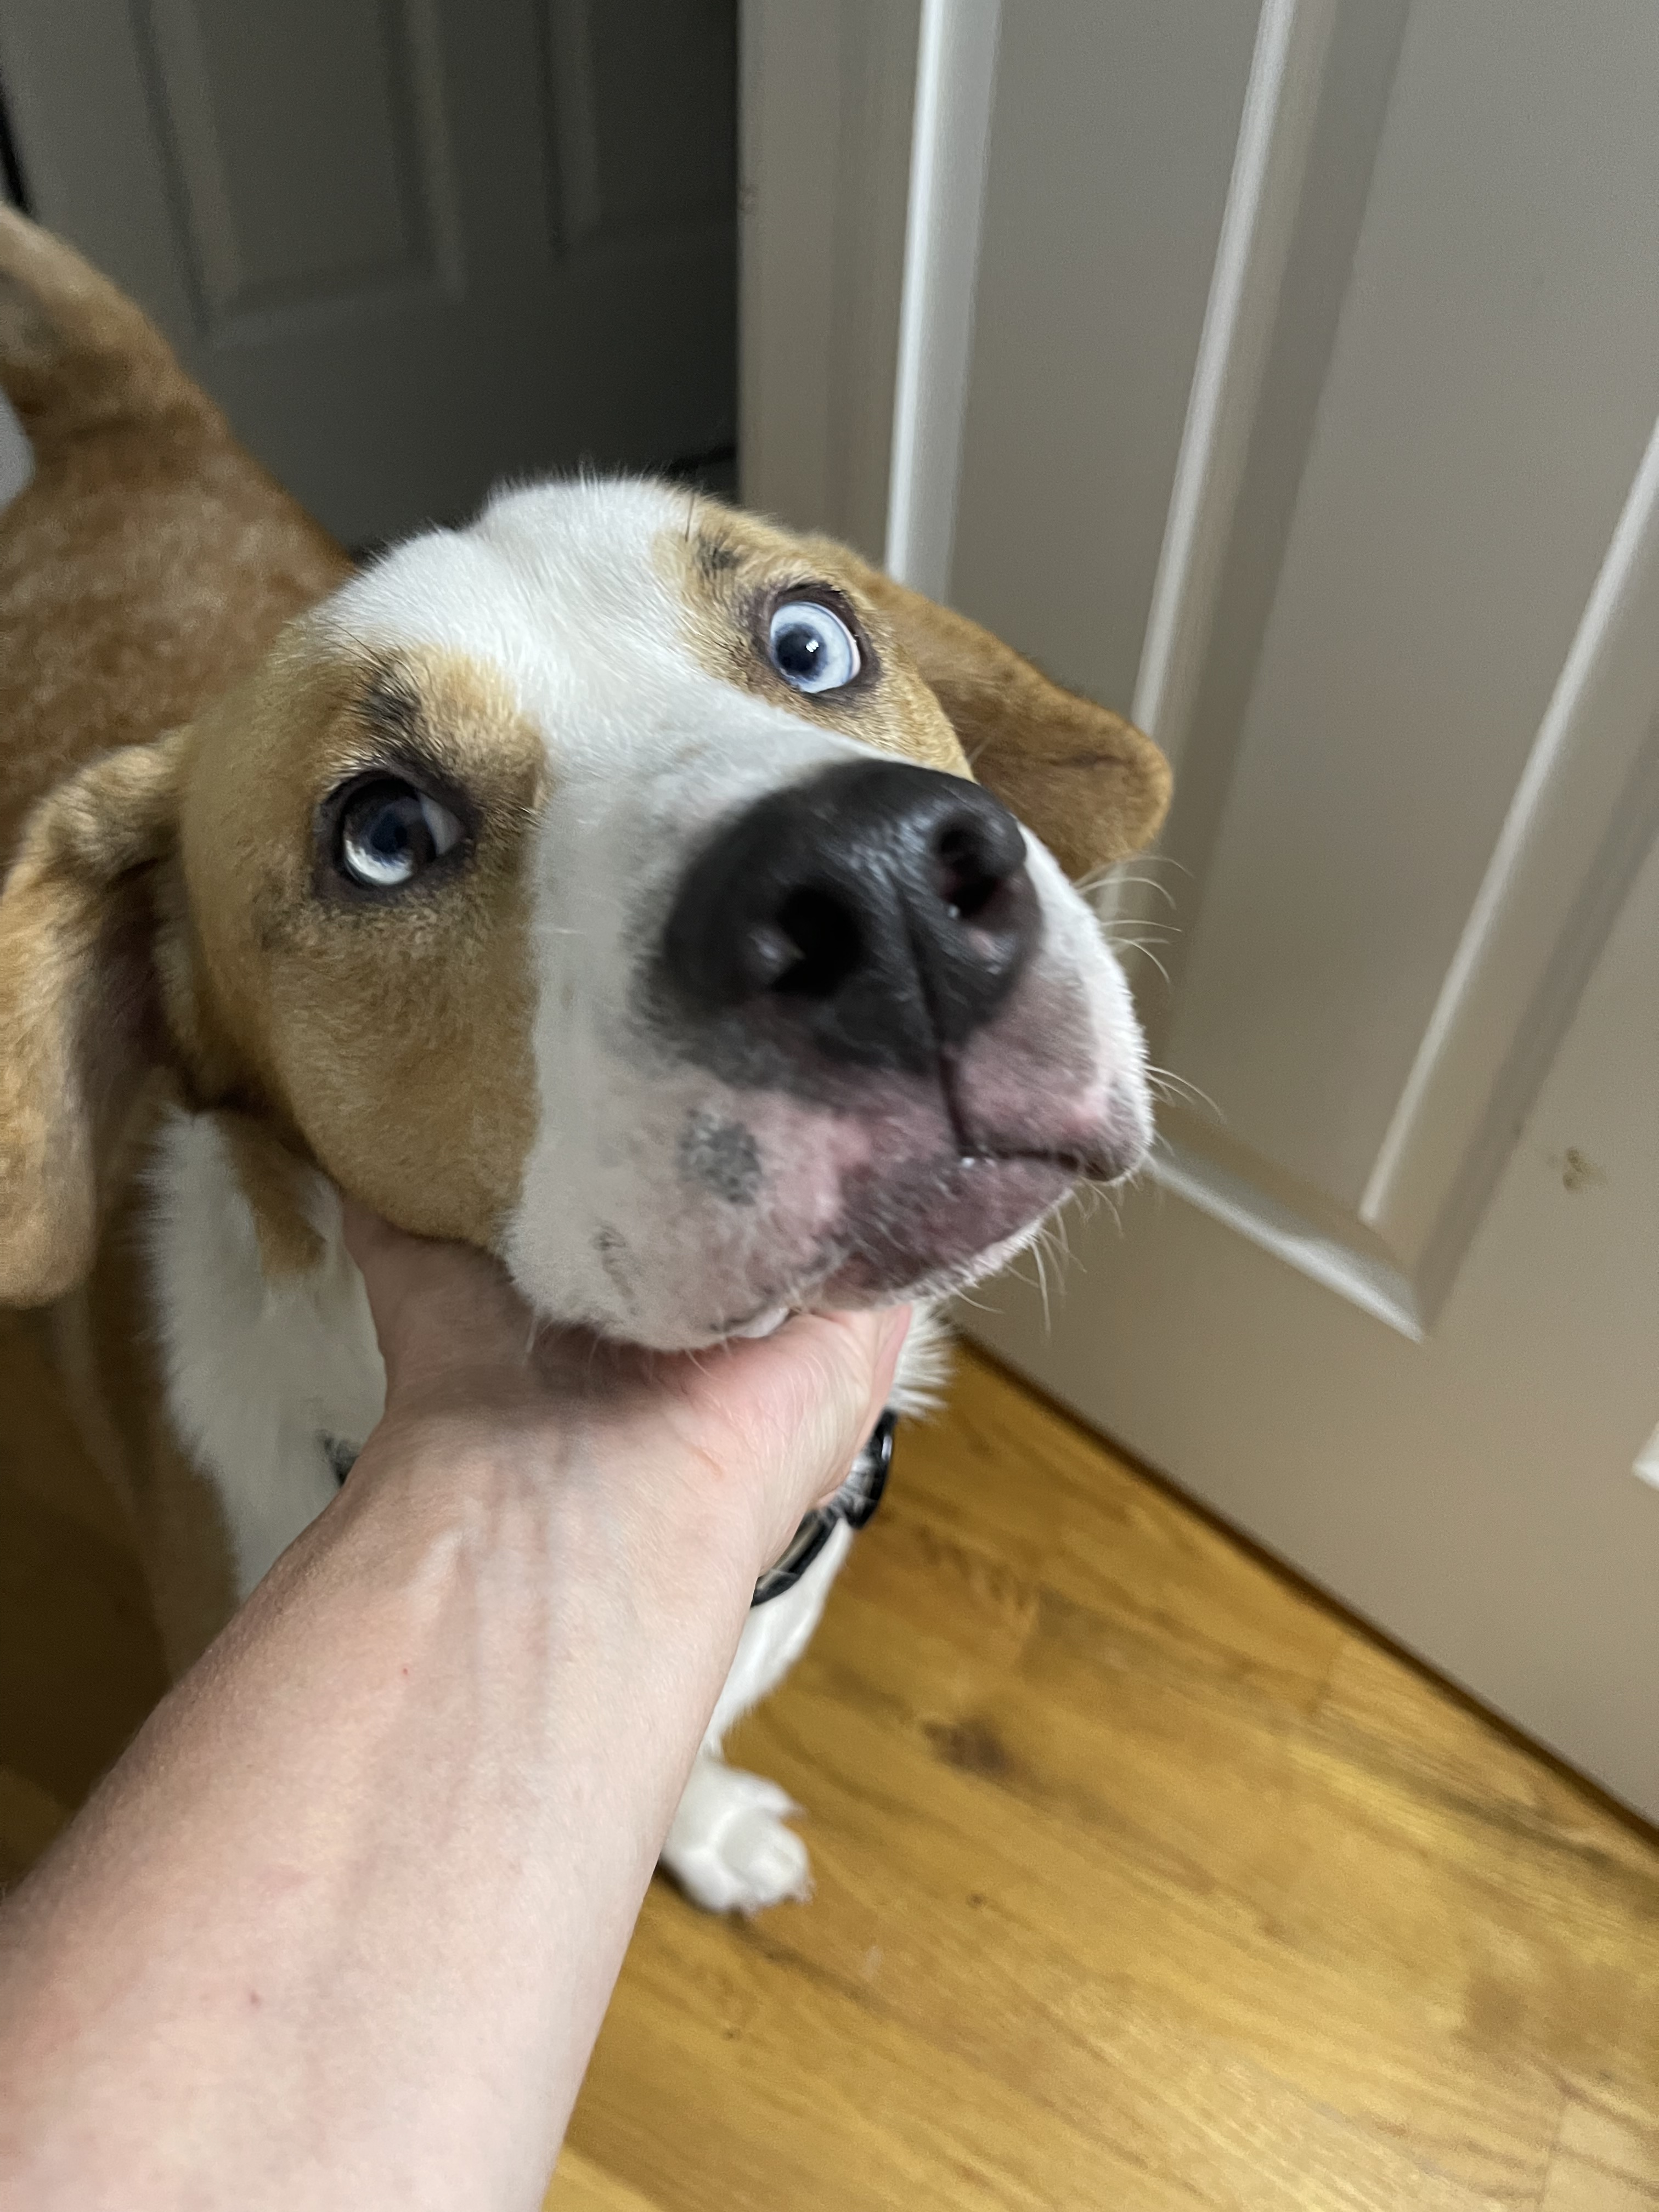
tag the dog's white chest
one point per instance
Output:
(258, 1378)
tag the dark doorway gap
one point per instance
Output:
(12, 185)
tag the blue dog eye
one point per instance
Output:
(812, 648)
(389, 832)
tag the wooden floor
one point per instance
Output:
(1143, 1881)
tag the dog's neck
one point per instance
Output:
(271, 1369)
(268, 1345)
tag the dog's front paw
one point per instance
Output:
(729, 1849)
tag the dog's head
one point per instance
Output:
(674, 906)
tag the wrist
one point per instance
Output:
(649, 1519)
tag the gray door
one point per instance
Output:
(410, 246)
(1308, 404)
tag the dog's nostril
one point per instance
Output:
(822, 940)
(966, 877)
(875, 912)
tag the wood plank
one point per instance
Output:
(1142, 1870)
(581, 2186)
(79, 1661)
(1607, 2157)
(41, 1450)
(1045, 1890)
(734, 2076)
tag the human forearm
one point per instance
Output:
(448, 1732)
(341, 1926)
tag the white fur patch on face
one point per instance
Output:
(558, 588)
(662, 1201)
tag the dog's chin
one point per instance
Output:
(872, 1213)
(935, 1226)
(922, 1231)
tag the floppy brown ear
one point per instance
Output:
(79, 1006)
(1093, 788)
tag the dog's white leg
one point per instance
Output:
(729, 1848)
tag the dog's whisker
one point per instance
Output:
(1141, 945)
(1179, 1089)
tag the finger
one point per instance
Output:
(862, 1350)
(892, 1328)
(439, 1309)
(795, 1409)
(892, 1335)
(856, 1357)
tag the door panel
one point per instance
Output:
(1076, 397)
(1474, 1495)
(1495, 378)
(646, 98)
(410, 246)
(261, 230)
(1424, 784)
(1387, 592)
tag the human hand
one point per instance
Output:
(754, 1431)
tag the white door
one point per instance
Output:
(409, 246)
(1309, 407)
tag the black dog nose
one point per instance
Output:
(885, 910)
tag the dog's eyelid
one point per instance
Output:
(816, 591)
(412, 765)
(446, 819)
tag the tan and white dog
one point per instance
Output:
(619, 885)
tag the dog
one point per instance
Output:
(672, 906)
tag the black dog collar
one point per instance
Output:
(854, 1503)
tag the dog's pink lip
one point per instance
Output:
(930, 1218)
(912, 1222)
(1081, 1142)
(936, 1224)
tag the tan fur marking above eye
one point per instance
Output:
(394, 1033)
(726, 568)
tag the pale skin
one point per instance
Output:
(341, 1926)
